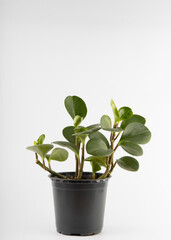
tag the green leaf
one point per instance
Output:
(117, 129)
(93, 126)
(48, 157)
(78, 133)
(41, 149)
(95, 167)
(75, 106)
(69, 145)
(134, 118)
(132, 148)
(101, 136)
(77, 120)
(41, 139)
(115, 111)
(125, 113)
(97, 147)
(68, 134)
(136, 132)
(128, 163)
(105, 122)
(59, 154)
(100, 160)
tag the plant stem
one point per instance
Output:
(50, 171)
(117, 136)
(107, 170)
(112, 167)
(49, 165)
(82, 161)
(93, 176)
(36, 155)
(77, 159)
(43, 160)
(116, 147)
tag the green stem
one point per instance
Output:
(107, 170)
(77, 159)
(82, 161)
(49, 170)
(49, 165)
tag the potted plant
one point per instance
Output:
(79, 196)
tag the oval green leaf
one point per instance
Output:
(78, 133)
(125, 113)
(95, 167)
(134, 118)
(93, 126)
(128, 163)
(41, 149)
(75, 106)
(68, 134)
(100, 160)
(136, 132)
(105, 122)
(59, 154)
(101, 136)
(117, 129)
(132, 148)
(69, 145)
(41, 139)
(97, 147)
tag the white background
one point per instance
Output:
(97, 50)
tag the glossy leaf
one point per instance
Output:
(97, 147)
(136, 132)
(125, 113)
(117, 129)
(41, 149)
(69, 145)
(128, 163)
(68, 134)
(100, 160)
(59, 154)
(75, 106)
(132, 148)
(95, 167)
(105, 122)
(134, 118)
(115, 111)
(77, 121)
(101, 136)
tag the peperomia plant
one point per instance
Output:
(127, 131)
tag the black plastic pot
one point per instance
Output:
(79, 204)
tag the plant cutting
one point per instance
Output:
(79, 196)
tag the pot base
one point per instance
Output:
(79, 234)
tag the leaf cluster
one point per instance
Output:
(127, 130)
